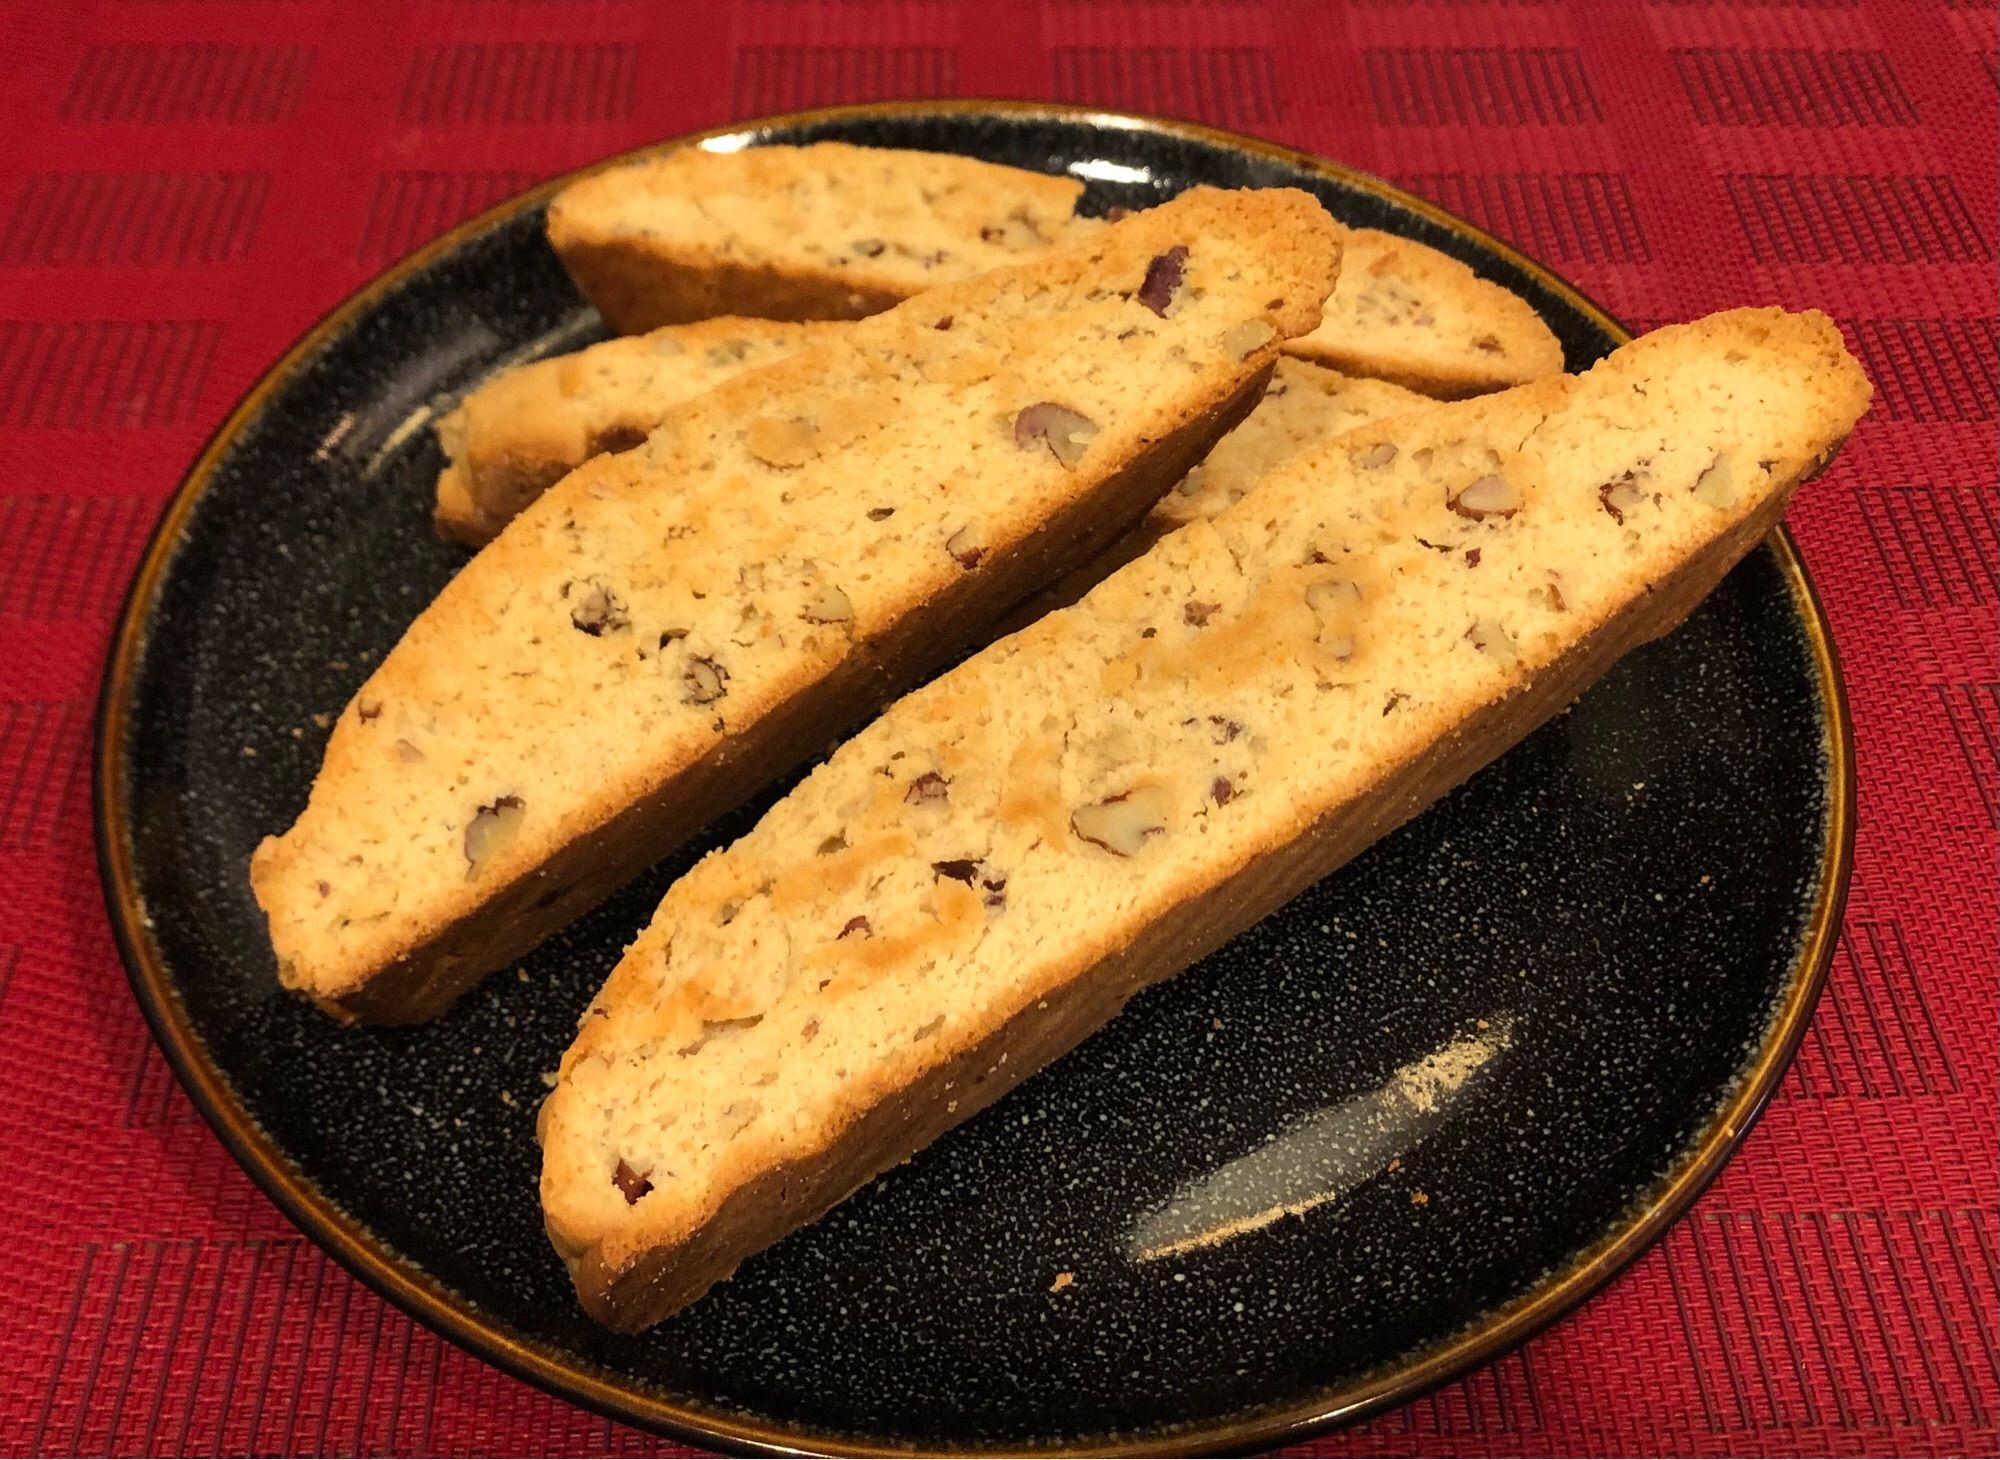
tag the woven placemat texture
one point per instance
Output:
(185, 185)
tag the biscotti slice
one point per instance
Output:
(832, 231)
(827, 231)
(989, 871)
(1304, 406)
(1406, 313)
(668, 628)
(527, 428)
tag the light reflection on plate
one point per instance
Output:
(1102, 169)
(1324, 1156)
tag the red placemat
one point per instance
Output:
(186, 184)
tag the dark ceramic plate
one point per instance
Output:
(1485, 1065)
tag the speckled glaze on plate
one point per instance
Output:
(1375, 1141)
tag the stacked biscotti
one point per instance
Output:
(527, 428)
(1408, 314)
(670, 627)
(831, 231)
(828, 231)
(992, 868)
(1258, 634)
(1304, 406)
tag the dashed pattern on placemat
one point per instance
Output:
(74, 552)
(1814, 1330)
(43, 747)
(534, 81)
(1937, 545)
(231, 1347)
(103, 374)
(1182, 4)
(151, 218)
(1229, 85)
(153, 1098)
(1588, 217)
(1973, 713)
(791, 78)
(1749, 4)
(1917, 219)
(1875, 1034)
(194, 81)
(411, 208)
(1479, 86)
(1932, 369)
(1499, 1399)
(1793, 88)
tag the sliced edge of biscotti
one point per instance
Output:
(833, 231)
(1412, 315)
(984, 875)
(825, 231)
(525, 429)
(1305, 406)
(669, 628)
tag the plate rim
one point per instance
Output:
(405, 1285)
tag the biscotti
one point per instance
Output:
(989, 871)
(828, 231)
(832, 231)
(527, 428)
(668, 628)
(1304, 406)
(1406, 313)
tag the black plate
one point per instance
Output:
(1614, 936)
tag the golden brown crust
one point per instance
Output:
(773, 231)
(754, 1063)
(526, 428)
(662, 1280)
(1410, 315)
(769, 232)
(1306, 406)
(578, 875)
(637, 287)
(603, 674)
